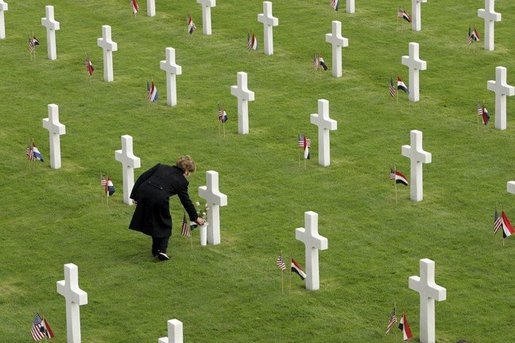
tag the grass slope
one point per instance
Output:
(232, 292)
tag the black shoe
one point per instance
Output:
(155, 253)
(163, 257)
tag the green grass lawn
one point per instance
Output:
(232, 292)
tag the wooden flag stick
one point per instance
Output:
(289, 268)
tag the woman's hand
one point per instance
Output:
(200, 221)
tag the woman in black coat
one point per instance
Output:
(151, 194)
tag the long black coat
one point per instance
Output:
(152, 192)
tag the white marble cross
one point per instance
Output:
(429, 292)
(338, 42)
(55, 130)
(129, 163)
(3, 7)
(206, 15)
(244, 95)
(151, 8)
(416, 10)
(312, 242)
(490, 16)
(108, 46)
(269, 22)
(502, 90)
(415, 64)
(417, 156)
(350, 6)
(175, 334)
(214, 199)
(325, 124)
(51, 26)
(172, 70)
(74, 297)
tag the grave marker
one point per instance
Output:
(501, 90)
(350, 6)
(417, 157)
(214, 199)
(416, 19)
(129, 162)
(490, 16)
(151, 8)
(415, 64)
(51, 26)
(429, 292)
(3, 7)
(206, 15)
(244, 95)
(108, 46)
(55, 130)
(325, 124)
(269, 22)
(338, 42)
(172, 70)
(313, 242)
(175, 334)
(74, 297)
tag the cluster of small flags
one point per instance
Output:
(483, 113)
(473, 36)
(400, 85)
(252, 43)
(107, 185)
(33, 153)
(89, 66)
(304, 143)
(398, 177)
(335, 4)
(502, 222)
(152, 93)
(401, 13)
(40, 329)
(33, 42)
(222, 115)
(295, 267)
(135, 7)
(191, 25)
(318, 62)
(403, 325)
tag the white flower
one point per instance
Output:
(197, 204)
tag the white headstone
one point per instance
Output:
(269, 22)
(108, 46)
(244, 95)
(129, 163)
(55, 130)
(502, 90)
(415, 64)
(510, 187)
(338, 42)
(325, 124)
(172, 70)
(429, 292)
(417, 156)
(214, 199)
(206, 15)
(74, 297)
(312, 243)
(490, 17)
(51, 26)
(416, 18)
(3, 7)
(151, 8)
(175, 334)
(350, 6)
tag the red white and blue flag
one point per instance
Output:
(222, 115)
(304, 143)
(89, 66)
(252, 43)
(398, 177)
(280, 263)
(401, 85)
(404, 327)
(473, 36)
(483, 113)
(185, 228)
(40, 329)
(391, 320)
(401, 13)
(33, 42)
(33, 153)
(335, 4)
(108, 185)
(152, 93)
(135, 7)
(191, 25)
(392, 88)
(295, 267)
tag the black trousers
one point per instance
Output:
(159, 244)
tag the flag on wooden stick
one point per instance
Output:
(391, 320)
(135, 7)
(185, 229)
(40, 329)
(191, 25)
(280, 263)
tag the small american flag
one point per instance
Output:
(222, 115)
(89, 66)
(185, 230)
(391, 87)
(40, 329)
(33, 42)
(191, 25)
(497, 221)
(335, 4)
(280, 263)
(391, 321)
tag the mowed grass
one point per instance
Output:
(232, 292)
